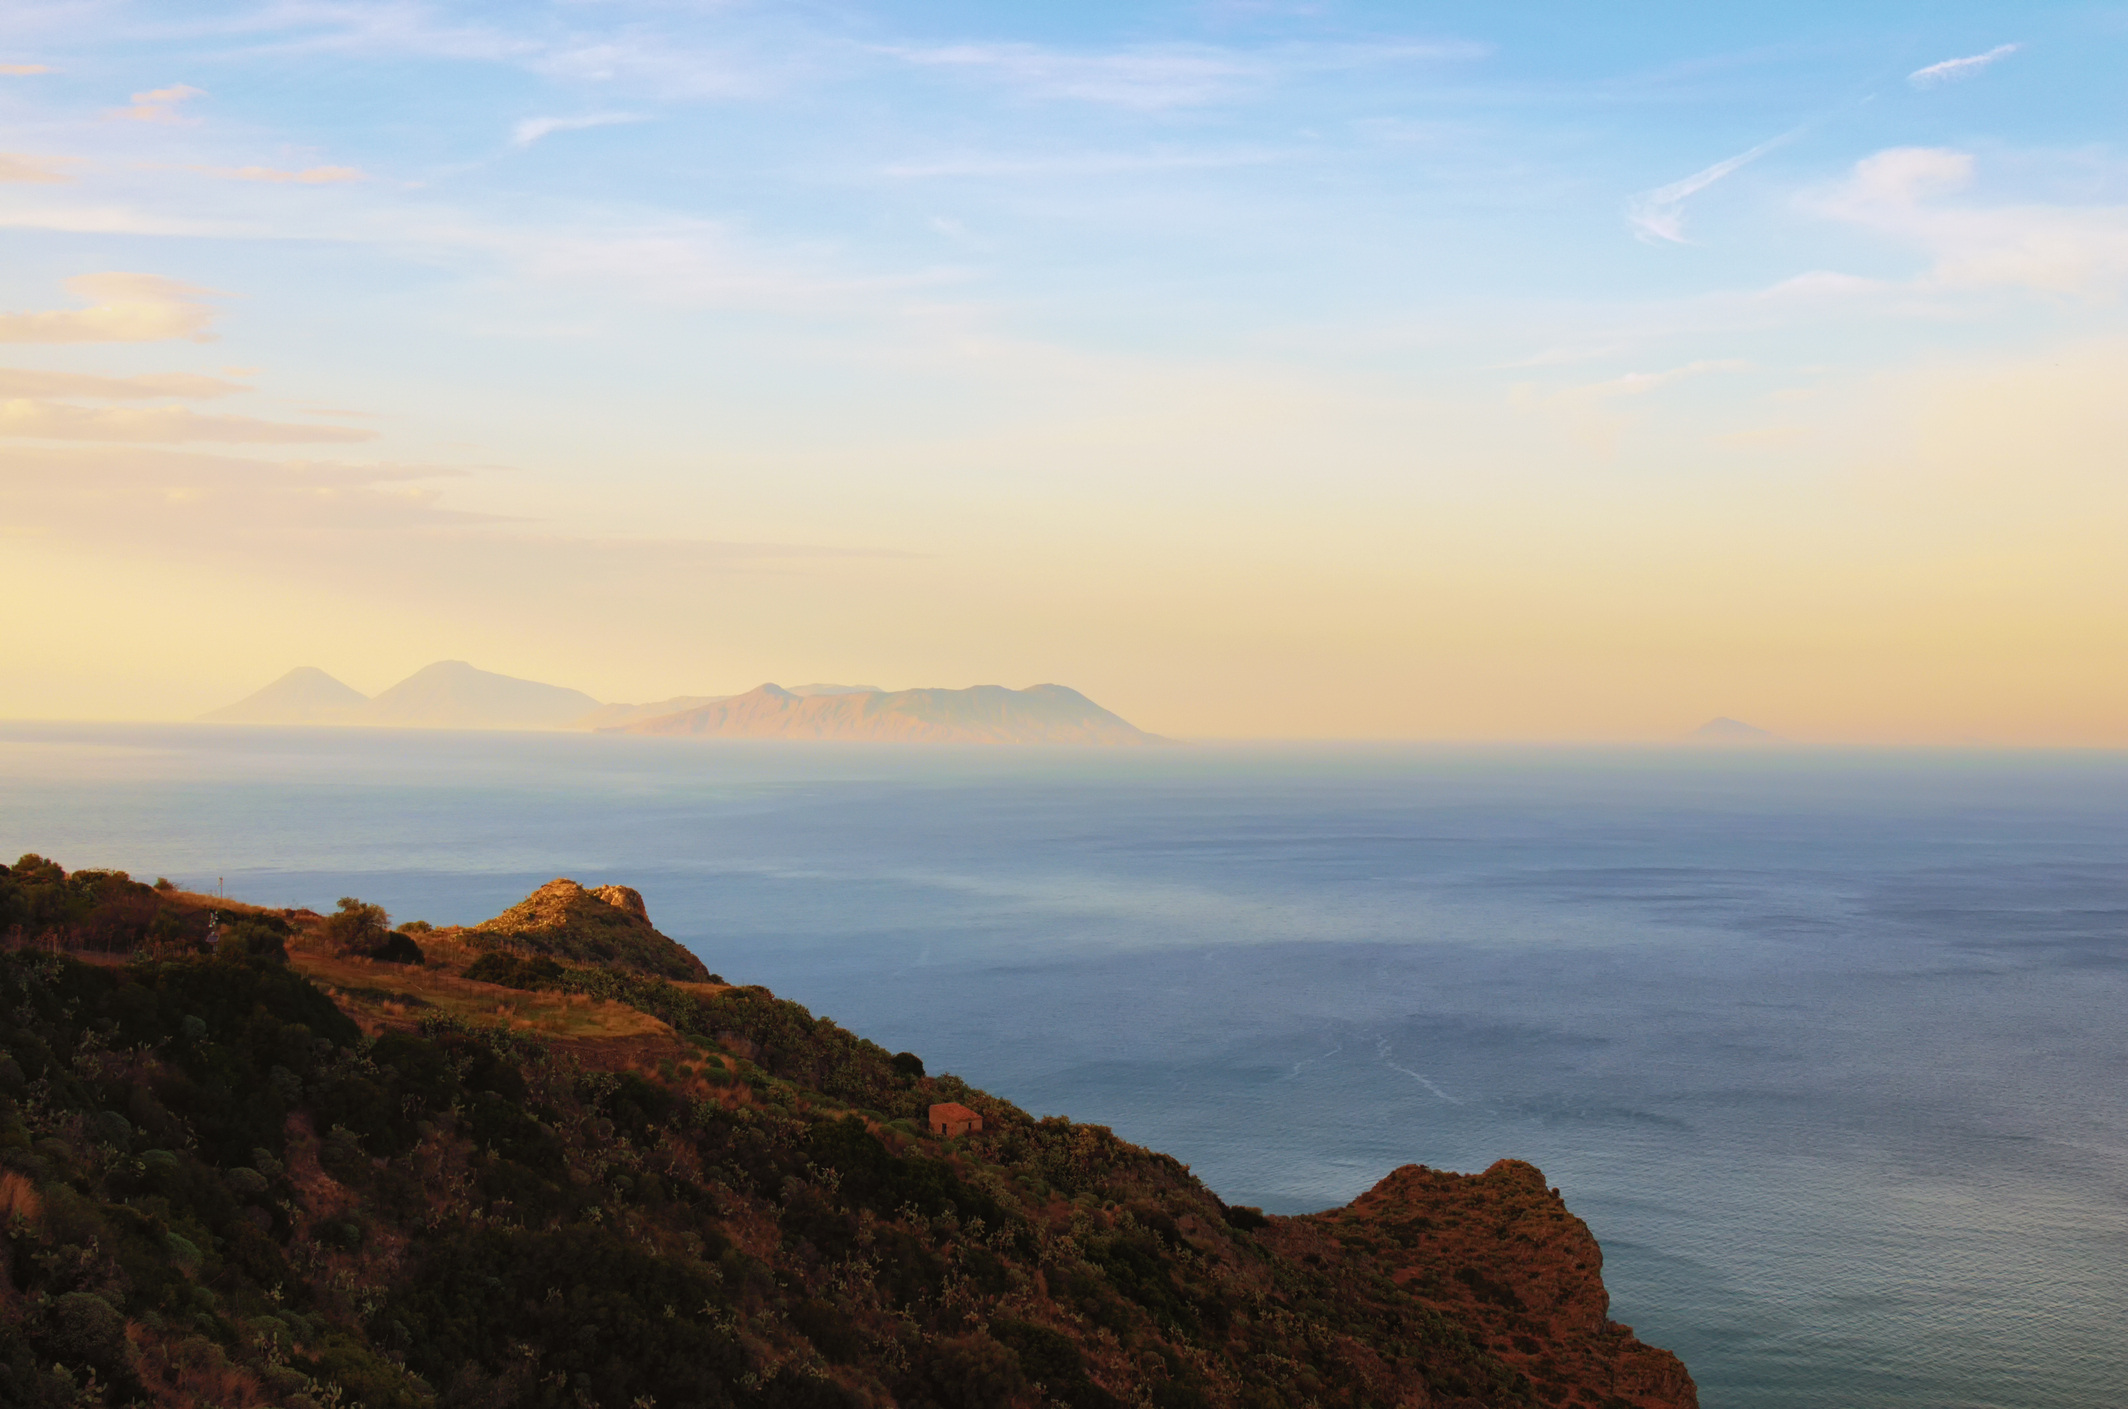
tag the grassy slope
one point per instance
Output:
(233, 1181)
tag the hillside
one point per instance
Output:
(984, 714)
(327, 1164)
(305, 695)
(613, 715)
(607, 926)
(453, 695)
(449, 694)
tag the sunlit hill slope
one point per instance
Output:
(258, 1157)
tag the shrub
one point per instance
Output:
(249, 939)
(357, 927)
(397, 949)
(84, 1329)
(513, 971)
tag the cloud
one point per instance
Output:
(1901, 177)
(21, 382)
(1902, 194)
(1641, 383)
(22, 70)
(1660, 213)
(532, 129)
(1078, 164)
(1952, 70)
(159, 104)
(1150, 77)
(1820, 286)
(125, 308)
(1590, 413)
(308, 514)
(30, 419)
(28, 169)
(309, 176)
(141, 495)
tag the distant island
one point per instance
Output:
(262, 1156)
(1731, 731)
(985, 714)
(456, 695)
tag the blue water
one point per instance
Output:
(1828, 1048)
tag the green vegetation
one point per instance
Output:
(215, 1189)
(356, 928)
(563, 921)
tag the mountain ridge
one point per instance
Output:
(457, 695)
(305, 695)
(981, 714)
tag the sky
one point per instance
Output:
(1264, 370)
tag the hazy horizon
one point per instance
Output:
(1260, 370)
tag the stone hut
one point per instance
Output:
(951, 1118)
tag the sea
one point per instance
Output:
(1829, 1048)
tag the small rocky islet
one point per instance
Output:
(258, 1157)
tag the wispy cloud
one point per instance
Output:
(1641, 383)
(1161, 76)
(27, 169)
(32, 419)
(1951, 70)
(532, 129)
(160, 104)
(309, 176)
(124, 308)
(22, 70)
(326, 516)
(2056, 249)
(1078, 164)
(1154, 76)
(139, 493)
(1660, 214)
(1592, 413)
(21, 382)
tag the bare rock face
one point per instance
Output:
(1499, 1253)
(624, 898)
(610, 925)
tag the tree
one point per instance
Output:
(357, 927)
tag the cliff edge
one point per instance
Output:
(245, 1163)
(1500, 1254)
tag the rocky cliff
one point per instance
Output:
(242, 1166)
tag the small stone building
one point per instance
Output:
(951, 1118)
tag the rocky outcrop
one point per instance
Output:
(624, 898)
(608, 925)
(1500, 1254)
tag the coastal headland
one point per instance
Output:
(255, 1156)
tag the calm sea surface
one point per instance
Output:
(1830, 1049)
